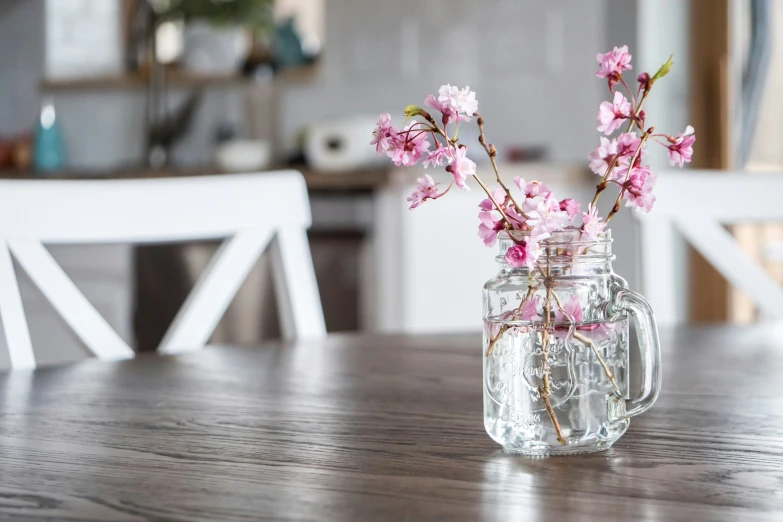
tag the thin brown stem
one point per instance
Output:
(475, 176)
(544, 389)
(630, 92)
(493, 340)
(414, 128)
(616, 206)
(530, 291)
(489, 194)
(637, 111)
(604, 181)
(492, 153)
(586, 340)
(445, 191)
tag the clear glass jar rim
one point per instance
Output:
(560, 238)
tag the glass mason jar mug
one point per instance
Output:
(556, 345)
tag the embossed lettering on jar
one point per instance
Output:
(556, 348)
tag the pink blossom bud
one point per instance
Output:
(645, 81)
(516, 256)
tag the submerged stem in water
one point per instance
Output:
(543, 389)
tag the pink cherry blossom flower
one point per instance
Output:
(516, 256)
(425, 189)
(516, 219)
(612, 114)
(524, 254)
(681, 148)
(499, 195)
(440, 156)
(571, 312)
(532, 189)
(613, 63)
(592, 224)
(545, 214)
(383, 133)
(638, 189)
(602, 156)
(533, 249)
(529, 311)
(460, 100)
(407, 147)
(570, 207)
(461, 168)
(491, 224)
(627, 143)
(449, 114)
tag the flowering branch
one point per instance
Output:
(637, 186)
(453, 143)
(628, 184)
(534, 214)
(492, 153)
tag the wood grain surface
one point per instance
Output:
(380, 428)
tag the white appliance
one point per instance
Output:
(342, 145)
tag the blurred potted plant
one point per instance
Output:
(217, 32)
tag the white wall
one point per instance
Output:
(531, 62)
(21, 63)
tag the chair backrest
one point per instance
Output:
(246, 210)
(697, 204)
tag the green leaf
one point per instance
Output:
(665, 68)
(411, 111)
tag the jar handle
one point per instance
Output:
(647, 333)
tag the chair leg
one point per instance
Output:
(17, 335)
(299, 303)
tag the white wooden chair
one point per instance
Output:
(246, 210)
(697, 204)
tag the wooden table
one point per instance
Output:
(380, 428)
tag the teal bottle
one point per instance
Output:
(49, 149)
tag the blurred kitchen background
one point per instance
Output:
(130, 88)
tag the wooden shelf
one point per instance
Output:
(175, 79)
(133, 81)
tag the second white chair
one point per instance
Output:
(697, 204)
